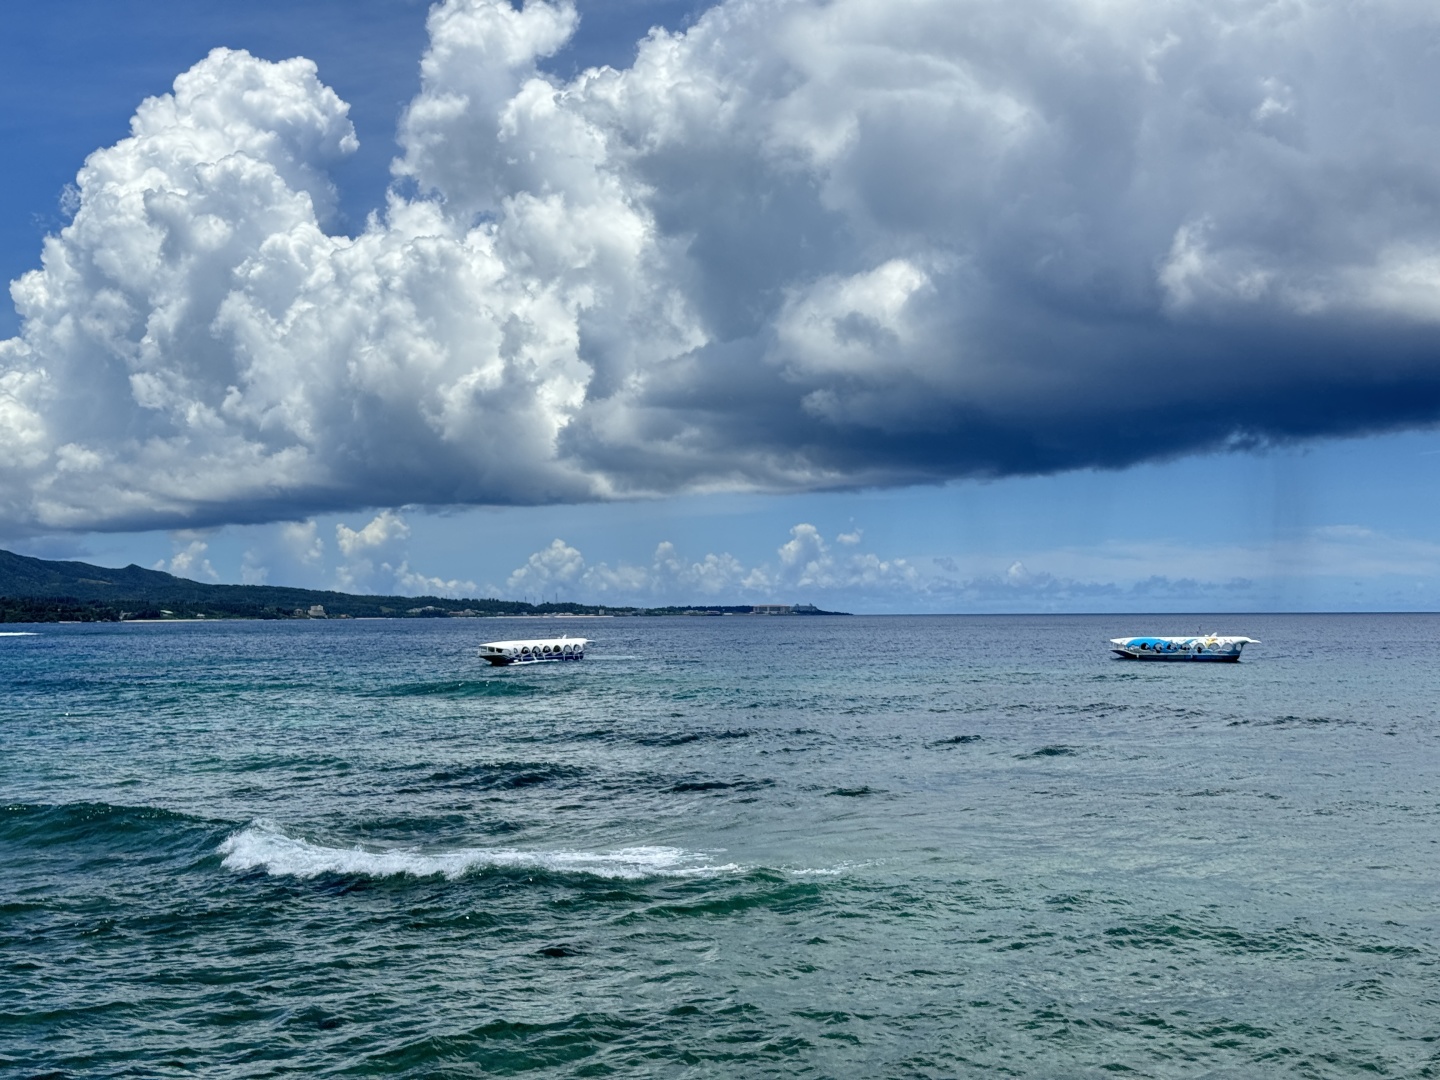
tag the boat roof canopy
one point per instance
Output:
(1205, 638)
(536, 643)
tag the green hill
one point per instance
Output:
(39, 590)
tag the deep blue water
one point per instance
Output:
(860, 847)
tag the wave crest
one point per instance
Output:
(261, 846)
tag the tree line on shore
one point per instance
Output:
(39, 590)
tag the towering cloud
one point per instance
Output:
(802, 244)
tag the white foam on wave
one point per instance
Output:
(828, 871)
(19, 633)
(262, 846)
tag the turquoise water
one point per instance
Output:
(720, 847)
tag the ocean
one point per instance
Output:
(720, 847)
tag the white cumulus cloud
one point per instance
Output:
(412, 583)
(558, 564)
(801, 244)
(302, 541)
(384, 530)
(189, 559)
(374, 558)
(804, 564)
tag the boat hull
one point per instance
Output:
(1209, 649)
(505, 661)
(1211, 658)
(533, 651)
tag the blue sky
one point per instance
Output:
(904, 307)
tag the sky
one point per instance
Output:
(901, 306)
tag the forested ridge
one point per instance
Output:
(41, 590)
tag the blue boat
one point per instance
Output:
(1208, 647)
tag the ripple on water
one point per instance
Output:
(487, 776)
(345, 849)
(494, 687)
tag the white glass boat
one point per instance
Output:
(1207, 647)
(534, 651)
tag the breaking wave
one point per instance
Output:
(261, 846)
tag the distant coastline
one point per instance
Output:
(41, 591)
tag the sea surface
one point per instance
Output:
(721, 847)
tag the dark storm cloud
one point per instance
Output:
(798, 245)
